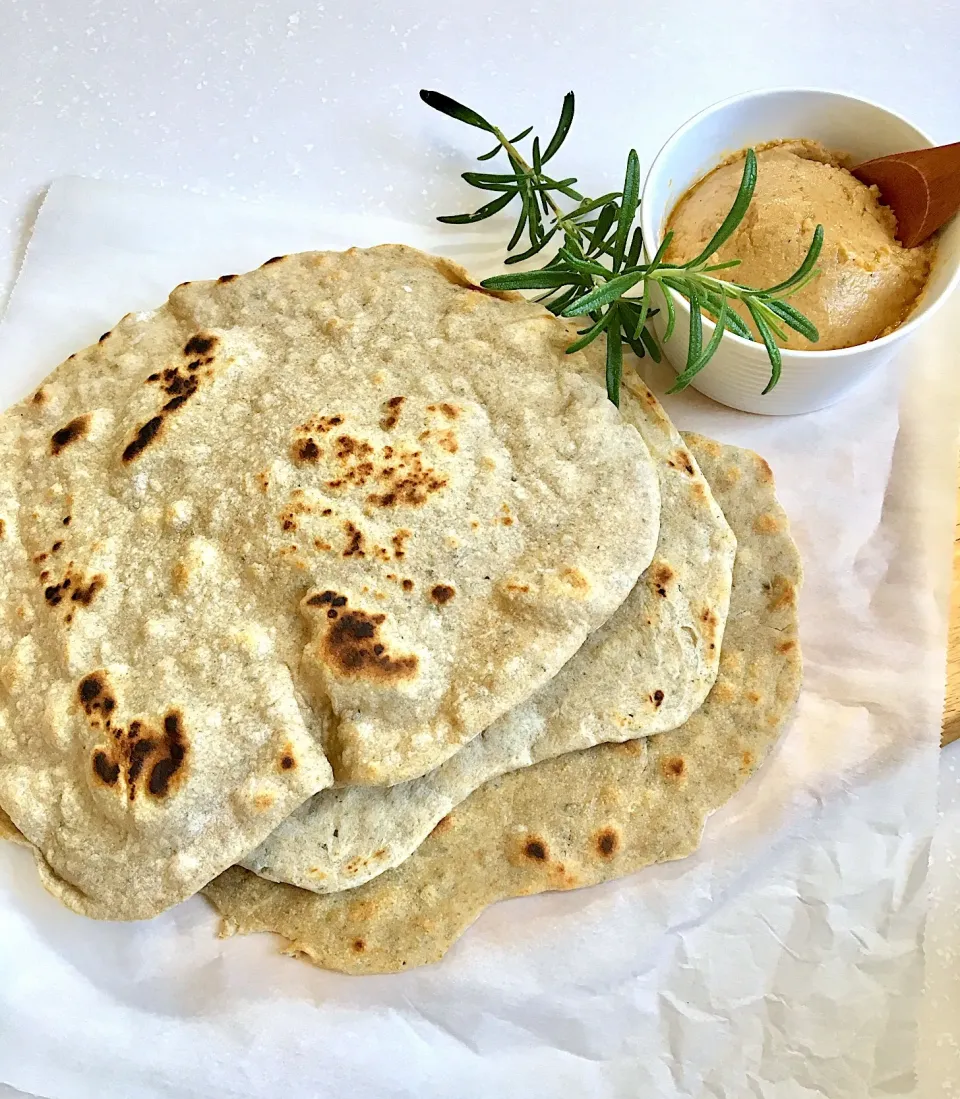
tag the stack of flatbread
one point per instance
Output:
(340, 592)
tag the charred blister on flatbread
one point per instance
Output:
(352, 644)
(148, 760)
(178, 384)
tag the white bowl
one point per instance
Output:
(739, 371)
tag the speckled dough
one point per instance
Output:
(343, 510)
(644, 672)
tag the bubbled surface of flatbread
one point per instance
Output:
(644, 672)
(323, 521)
(583, 817)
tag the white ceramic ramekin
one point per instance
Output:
(738, 372)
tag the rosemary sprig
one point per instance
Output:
(596, 271)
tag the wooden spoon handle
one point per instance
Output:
(922, 188)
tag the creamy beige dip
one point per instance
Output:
(868, 282)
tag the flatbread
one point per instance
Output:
(584, 817)
(644, 672)
(8, 830)
(343, 510)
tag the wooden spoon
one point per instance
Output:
(922, 188)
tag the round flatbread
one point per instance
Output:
(326, 520)
(644, 672)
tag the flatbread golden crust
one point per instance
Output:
(339, 512)
(584, 817)
(644, 672)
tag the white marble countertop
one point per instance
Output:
(317, 102)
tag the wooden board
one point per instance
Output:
(951, 710)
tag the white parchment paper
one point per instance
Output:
(781, 961)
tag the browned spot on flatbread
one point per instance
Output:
(406, 584)
(273, 259)
(353, 646)
(444, 824)
(606, 842)
(40, 396)
(105, 336)
(723, 691)
(169, 768)
(359, 946)
(306, 450)
(764, 472)
(398, 542)
(657, 698)
(322, 599)
(105, 769)
(263, 801)
(766, 524)
(3, 529)
(86, 591)
(407, 481)
(786, 647)
(179, 385)
(447, 441)
(94, 695)
(136, 748)
(536, 849)
(660, 576)
(288, 760)
(673, 768)
(391, 415)
(680, 459)
(69, 433)
(347, 448)
(575, 580)
(200, 345)
(442, 593)
(73, 587)
(747, 759)
(355, 541)
(783, 593)
(662, 573)
(226, 278)
(144, 436)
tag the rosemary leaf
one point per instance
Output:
(445, 105)
(804, 271)
(614, 356)
(563, 128)
(628, 208)
(601, 295)
(478, 215)
(748, 181)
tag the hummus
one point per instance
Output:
(868, 282)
